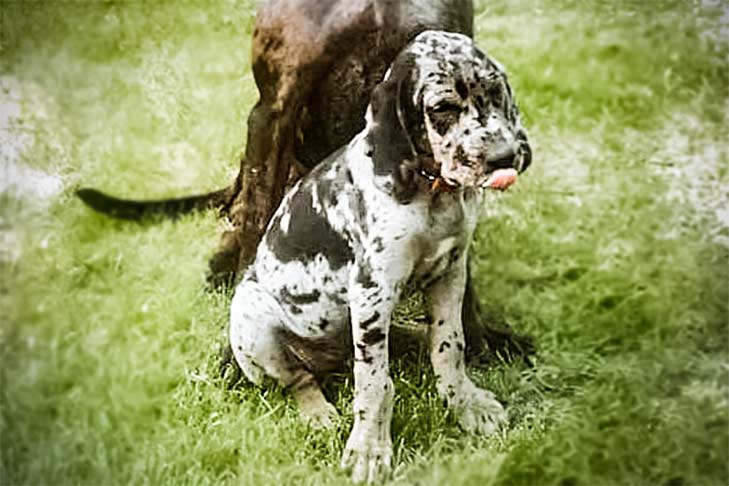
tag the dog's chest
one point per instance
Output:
(451, 221)
(429, 235)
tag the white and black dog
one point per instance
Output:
(396, 207)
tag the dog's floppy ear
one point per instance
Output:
(395, 135)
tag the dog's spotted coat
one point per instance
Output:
(366, 223)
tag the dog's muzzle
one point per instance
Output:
(504, 157)
(501, 166)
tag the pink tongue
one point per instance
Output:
(501, 179)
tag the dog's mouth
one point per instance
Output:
(499, 179)
(494, 178)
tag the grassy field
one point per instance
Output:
(612, 251)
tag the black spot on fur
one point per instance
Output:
(323, 324)
(365, 356)
(306, 298)
(309, 234)
(377, 244)
(459, 346)
(365, 324)
(364, 277)
(461, 89)
(441, 322)
(443, 346)
(442, 121)
(336, 298)
(295, 309)
(373, 336)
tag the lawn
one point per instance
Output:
(612, 251)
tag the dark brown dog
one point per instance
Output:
(315, 63)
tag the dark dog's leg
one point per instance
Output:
(285, 69)
(262, 178)
(223, 264)
(486, 337)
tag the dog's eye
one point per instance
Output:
(445, 107)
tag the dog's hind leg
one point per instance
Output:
(259, 344)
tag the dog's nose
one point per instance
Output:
(504, 157)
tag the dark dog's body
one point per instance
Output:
(315, 63)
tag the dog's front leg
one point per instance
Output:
(369, 448)
(477, 409)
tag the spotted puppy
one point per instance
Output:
(395, 207)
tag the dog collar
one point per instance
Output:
(430, 171)
(436, 183)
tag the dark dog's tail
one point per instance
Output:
(137, 210)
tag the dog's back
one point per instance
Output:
(351, 44)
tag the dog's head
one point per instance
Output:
(444, 103)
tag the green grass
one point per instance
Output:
(616, 265)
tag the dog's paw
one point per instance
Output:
(368, 462)
(321, 415)
(314, 408)
(479, 411)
